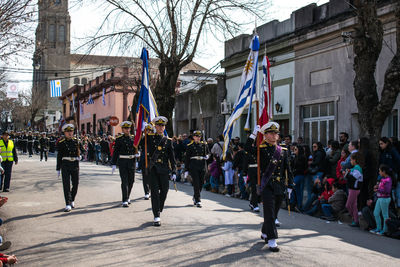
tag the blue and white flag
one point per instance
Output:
(247, 90)
(55, 88)
(104, 99)
(90, 100)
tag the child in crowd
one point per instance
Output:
(383, 191)
(7, 259)
(229, 172)
(339, 174)
(213, 168)
(336, 203)
(354, 179)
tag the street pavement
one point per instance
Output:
(99, 232)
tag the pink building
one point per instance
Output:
(119, 85)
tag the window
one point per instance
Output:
(76, 80)
(52, 33)
(61, 33)
(393, 124)
(318, 123)
(84, 80)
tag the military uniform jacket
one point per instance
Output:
(194, 149)
(165, 161)
(123, 146)
(282, 171)
(44, 143)
(30, 138)
(67, 148)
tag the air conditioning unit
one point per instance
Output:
(226, 107)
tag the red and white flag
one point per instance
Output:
(266, 95)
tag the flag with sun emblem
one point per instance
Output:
(246, 92)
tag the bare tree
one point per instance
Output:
(372, 109)
(172, 30)
(16, 17)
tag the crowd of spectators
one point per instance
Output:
(336, 182)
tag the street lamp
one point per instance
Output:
(278, 107)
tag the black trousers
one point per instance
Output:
(70, 173)
(30, 145)
(7, 166)
(42, 151)
(146, 182)
(255, 198)
(127, 174)
(271, 204)
(159, 186)
(24, 144)
(197, 175)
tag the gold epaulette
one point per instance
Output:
(189, 143)
(62, 140)
(284, 148)
(263, 145)
(119, 136)
(151, 134)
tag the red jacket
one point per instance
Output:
(326, 194)
(339, 173)
(3, 258)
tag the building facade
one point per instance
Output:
(312, 70)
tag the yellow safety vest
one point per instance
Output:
(7, 153)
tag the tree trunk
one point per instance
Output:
(164, 92)
(372, 111)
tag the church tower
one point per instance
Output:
(51, 60)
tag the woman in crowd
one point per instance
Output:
(369, 179)
(354, 182)
(339, 173)
(316, 168)
(299, 170)
(332, 160)
(229, 172)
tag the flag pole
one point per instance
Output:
(145, 152)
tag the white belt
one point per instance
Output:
(253, 165)
(198, 158)
(70, 158)
(126, 156)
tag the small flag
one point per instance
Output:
(90, 100)
(104, 99)
(55, 88)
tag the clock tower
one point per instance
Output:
(51, 59)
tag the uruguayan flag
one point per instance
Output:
(90, 100)
(246, 91)
(55, 88)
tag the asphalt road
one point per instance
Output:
(98, 232)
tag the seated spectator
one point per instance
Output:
(7, 259)
(315, 169)
(383, 191)
(323, 197)
(393, 228)
(336, 203)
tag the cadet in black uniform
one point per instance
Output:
(250, 168)
(124, 155)
(195, 164)
(30, 143)
(161, 166)
(149, 129)
(68, 163)
(44, 146)
(276, 176)
(36, 143)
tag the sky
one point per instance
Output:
(85, 19)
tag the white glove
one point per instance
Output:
(255, 131)
(173, 177)
(144, 125)
(185, 175)
(289, 190)
(58, 173)
(206, 157)
(137, 155)
(113, 167)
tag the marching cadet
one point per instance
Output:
(276, 176)
(24, 142)
(30, 143)
(250, 168)
(150, 130)
(44, 146)
(68, 163)
(36, 143)
(161, 165)
(195, 164)
(124, 155)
